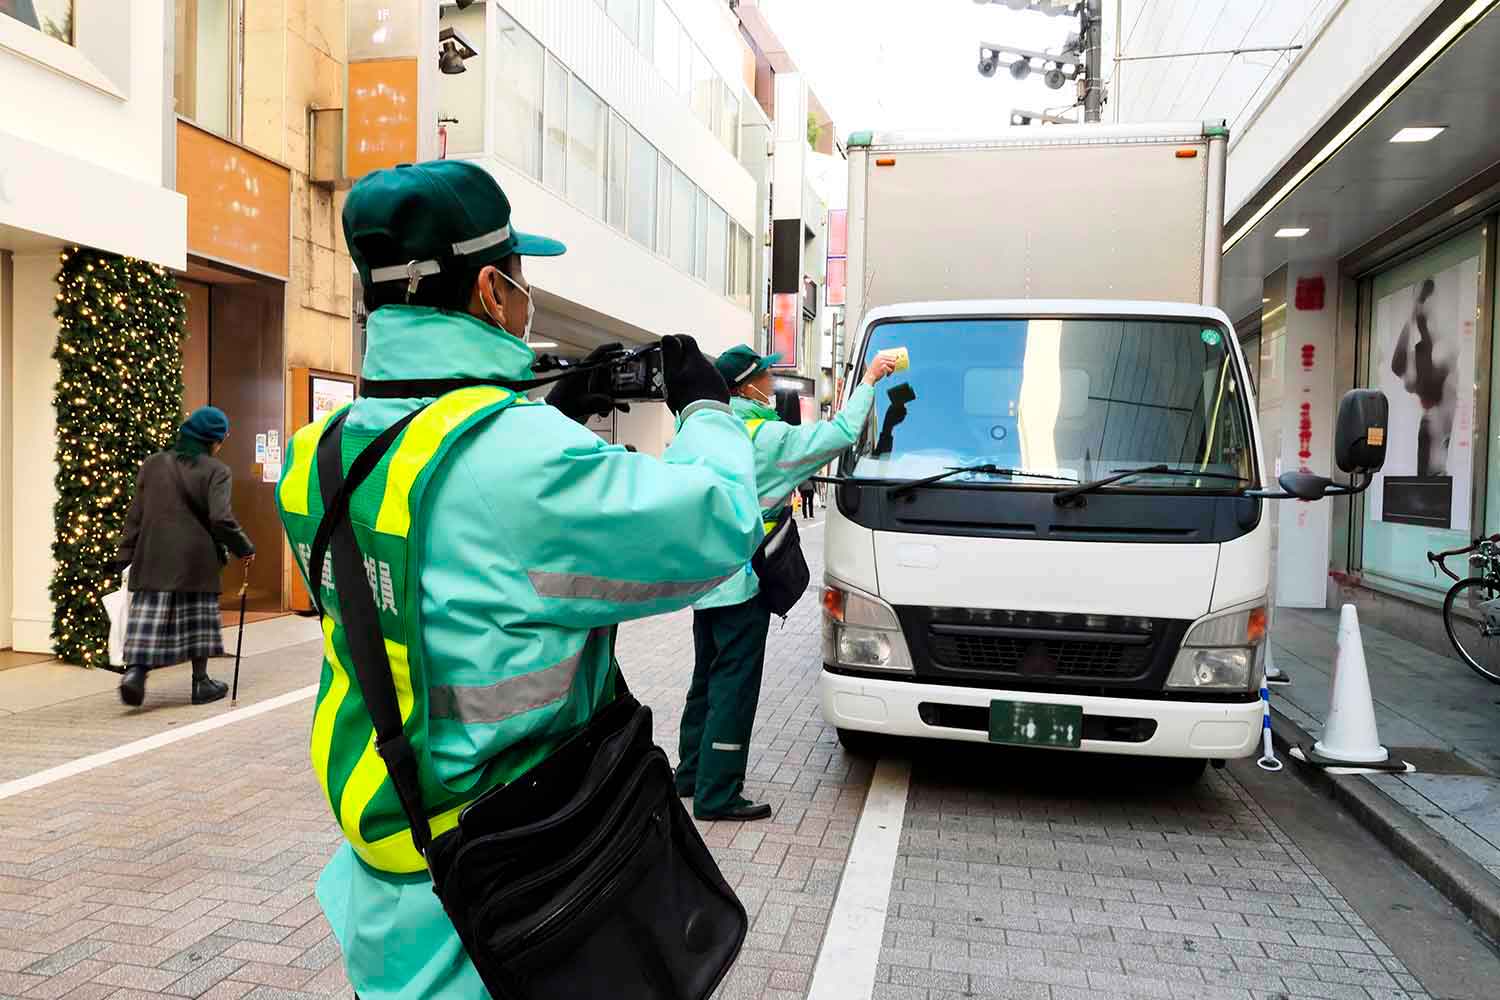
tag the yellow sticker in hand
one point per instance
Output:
(900, 356)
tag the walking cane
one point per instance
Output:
(239, 641)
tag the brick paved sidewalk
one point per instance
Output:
(189, 870)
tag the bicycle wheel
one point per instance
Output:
(1477, 644)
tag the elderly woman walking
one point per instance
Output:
(177, 536)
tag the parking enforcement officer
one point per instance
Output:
(502, 540)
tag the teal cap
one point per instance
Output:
(420, 219)
(741, 362)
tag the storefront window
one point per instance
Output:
(205, 63)
(53, 18)
(1423, 319)
(518, 99)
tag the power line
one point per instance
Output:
(1230, 61)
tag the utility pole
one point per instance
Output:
(1093, 39)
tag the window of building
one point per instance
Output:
(718, 248)
(1423, 342)
(729, 121)
(617, 171)
(685, 50)
(53, 18)
(703, 88)
(626, 14)
(555, 115)
(588, 136)
(700, 243)
(740, 270)
(663, 205)
(668, 44)
(206, 60)
(518, 99)
(684, 211)
(648, 28)
(641, 196)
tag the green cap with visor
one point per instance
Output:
(741, 362)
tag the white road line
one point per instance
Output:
(128, 750)
(846, 964)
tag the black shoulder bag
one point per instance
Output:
(584, 877)
(780, 566)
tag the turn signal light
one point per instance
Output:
(885, 161)
(1187, 154)
(833, 603)
(1256, 630)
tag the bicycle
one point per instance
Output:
(1476, 639)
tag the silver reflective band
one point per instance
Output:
(821, 458)
(753, 365)
(491, 703)
(731, 747)
(599, 588)
(403, 272)
(484, 242)
(775, 503)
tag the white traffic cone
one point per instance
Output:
(1350, 738)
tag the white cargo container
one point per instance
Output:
(1054, 531)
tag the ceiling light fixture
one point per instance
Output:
(1419, 133)
(1292, 232)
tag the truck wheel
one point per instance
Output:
(1183, 771)
(858, 743)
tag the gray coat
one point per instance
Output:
(164, 540)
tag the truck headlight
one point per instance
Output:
(1224, 652)
(862, 632)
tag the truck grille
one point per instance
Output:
(1039, 657)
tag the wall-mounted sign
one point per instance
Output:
(328, 394)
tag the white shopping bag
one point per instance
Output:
(117, 606)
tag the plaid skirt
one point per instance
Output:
(166, 628)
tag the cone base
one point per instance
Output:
(1313, 756)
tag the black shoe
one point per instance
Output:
(133, 686)
(744, 813)
(206, 689)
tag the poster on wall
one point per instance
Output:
(328, 394)
(1424, 362)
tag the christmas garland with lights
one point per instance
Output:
(118, 399)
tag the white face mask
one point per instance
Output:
(530, 308)
(763, 397)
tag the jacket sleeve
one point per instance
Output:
(608, 535)
(132, 531)
(797, 452)
(226, 529)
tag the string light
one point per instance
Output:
(118, 398)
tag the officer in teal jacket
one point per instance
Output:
(730, 624)
(502, 540)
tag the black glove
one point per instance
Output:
(688, 375)
(586, 394)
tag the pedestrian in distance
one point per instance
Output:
(502, 541)
(806, 492)
(730, 624)
(179, 533)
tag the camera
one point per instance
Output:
(638, 376)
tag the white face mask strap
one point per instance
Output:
(530, 305)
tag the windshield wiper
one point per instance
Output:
(1064, 497)
(905, 488)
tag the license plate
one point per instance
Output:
(1024, 723)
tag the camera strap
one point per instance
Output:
(431, 388)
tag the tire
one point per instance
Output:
(1479, 651)
(859, 744)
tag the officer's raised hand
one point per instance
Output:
(585, 394)
(688, 376)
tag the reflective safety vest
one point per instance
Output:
(386, 512)
(770, 510)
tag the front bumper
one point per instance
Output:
(1150, 727)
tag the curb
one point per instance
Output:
(1465, 883)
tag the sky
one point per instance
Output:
(892, 64)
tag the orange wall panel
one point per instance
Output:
(239, 204)
(382, 118)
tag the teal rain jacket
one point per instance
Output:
(528, 491)
(784, 457)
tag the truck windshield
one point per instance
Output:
(1074, 398)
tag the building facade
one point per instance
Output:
(96, 168)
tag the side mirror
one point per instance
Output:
(1304, 485)
(1359, 434)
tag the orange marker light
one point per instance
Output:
(1187, 154)
(885, 161)
(833, 603)
(1257, 629)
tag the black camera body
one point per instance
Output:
(638, 377)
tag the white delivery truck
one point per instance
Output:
(1055, 529)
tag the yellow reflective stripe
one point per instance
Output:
(421, 440)
(369, 771)
(293, 488)
(754, 425)
(397, 852)
(328, 708)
